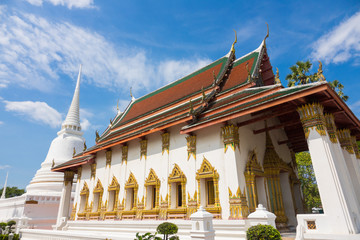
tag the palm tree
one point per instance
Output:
(300, 74)
(338, 88)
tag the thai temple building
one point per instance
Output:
(38, 207)
(224, 138)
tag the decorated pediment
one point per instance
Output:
(177, 175)
(114, 184)
(98, 187)
(85, 189)
(131, 182)
(152, 179)
(206, 170)
(252, 165)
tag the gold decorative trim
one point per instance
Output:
(164, 205)
(143, 148)
(114, 186)
(100, 190)
(177, 176)
(153, 180)
(273, 164)
(312, 115)
(165, 142)
(93, 170)
(252, 170)
(331, 127)
(191, 146)
(231, 138)
(206, 170)
(345, 140)
(192, 204)
(238, 205)
(108, 154)
(355, 147)
(124, 154)
(79, 172)
(68, 177)
(132, 183)
(73, 212)
(84, 191)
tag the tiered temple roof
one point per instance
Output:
(226, 89)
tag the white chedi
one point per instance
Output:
(60, 151)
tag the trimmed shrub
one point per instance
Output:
(167, 229)
(263, 232)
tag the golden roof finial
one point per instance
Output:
(277, 77)
(320, 73)
(74, 152)
(85, 147)
(248, 71)
(232, 46)
(117, 105)
(267, 34)
(191, 107)
(53, 163)
(131, 95)
(97, 136)
(203, 94)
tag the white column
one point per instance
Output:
(338, 213)
(64, 207)
(234, 175)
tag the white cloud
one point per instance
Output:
(36, 111)
(1, 123)
(341, 43)
(4, 166)
(68, 3)
(35, 52)
(175, 69)
(85, 124)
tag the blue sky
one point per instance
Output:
(144, 45)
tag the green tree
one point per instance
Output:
(338, 88)
(300, 74)
(307, 180)
(167, 229)
(12, 192)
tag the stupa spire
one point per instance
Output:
(72, 120)
(4, 189)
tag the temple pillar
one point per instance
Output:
(235, 178)
(64, 206)
(329, 173)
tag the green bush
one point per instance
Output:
(262, 232)
(146, 236)
(3, 225)
(167, 229)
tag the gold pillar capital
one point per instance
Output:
(331, 127)
(108, 154)
(191, 145)
(355, 146)
(68, 177)
(124, 154)
(93, 170)
(143, 148)
(312, 115)
(345, 140)
(230, 135)
(165, 142)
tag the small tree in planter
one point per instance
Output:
(263, 232)
(167, 229)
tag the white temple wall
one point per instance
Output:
(287, 198)
(209, 144)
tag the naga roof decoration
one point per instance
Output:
(226, 89)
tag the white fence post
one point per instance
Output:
(202, 225)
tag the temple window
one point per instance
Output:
(129, 204)
(84, 196)
(98, 193)
(177, 182)
(131, 188)
(208, 188)
(152, 184)
(113, 190)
